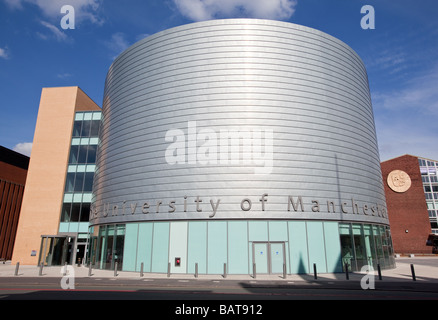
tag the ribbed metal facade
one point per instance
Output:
(299, 100)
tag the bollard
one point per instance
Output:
(89, 269)
(196, 270)
(115, 269)
(254, 270)
(314, 271)
(379, 271)
(225, 270)
(168, 270)
(16, 268)
(347, 276)
(413, 273)
(141, 269)
(41, 269)
(64, 273)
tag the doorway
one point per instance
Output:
(80, 252)
(269, 257)
(53, 250)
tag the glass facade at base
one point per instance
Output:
(236, 246)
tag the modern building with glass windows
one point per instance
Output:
(240, 146)
(53, 224)
(411, 188)
(75, 212)
(235, 146)
(429, 177)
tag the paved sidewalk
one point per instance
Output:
(425, 268)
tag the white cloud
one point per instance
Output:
(199, 10)
(23, 148)
(58, 34)
(117, 44)
(4, 53)
(84, 9)
(13, 4)
(419, 95)
(64, 76)
(407, 117)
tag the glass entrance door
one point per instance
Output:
(277, 257)
(261, 257)
(269, 257)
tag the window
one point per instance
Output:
(73, 154)
(86, 126)
(65, 214)
(79, 182)
(82, 157)
(91, 155)
(75, 212)
(77, 128)
(82, 160)
(85, 212)
(94, 130)
(70, 182)
(88, 181)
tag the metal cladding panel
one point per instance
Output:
(238, 119)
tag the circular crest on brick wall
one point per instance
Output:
(399, 181)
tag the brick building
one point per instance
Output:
(13, 172)
(408, 180)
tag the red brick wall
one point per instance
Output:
(407, 210)
(13, 172)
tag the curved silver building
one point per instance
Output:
(229, 144)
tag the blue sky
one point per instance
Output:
(400, 54)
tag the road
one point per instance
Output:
(50, 288)
(219, 298)
(215, 297)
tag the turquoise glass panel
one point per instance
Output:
(315, 241)
(197, 247)
(130, 247)
(298, 254)
(238, 262)
(73, 227)
(63, 226)
(217, 246)
(160, 247)
(178, 246)
(278, 231)
(332, 247)
(144, 250)
(83, 227)
(258, 231)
